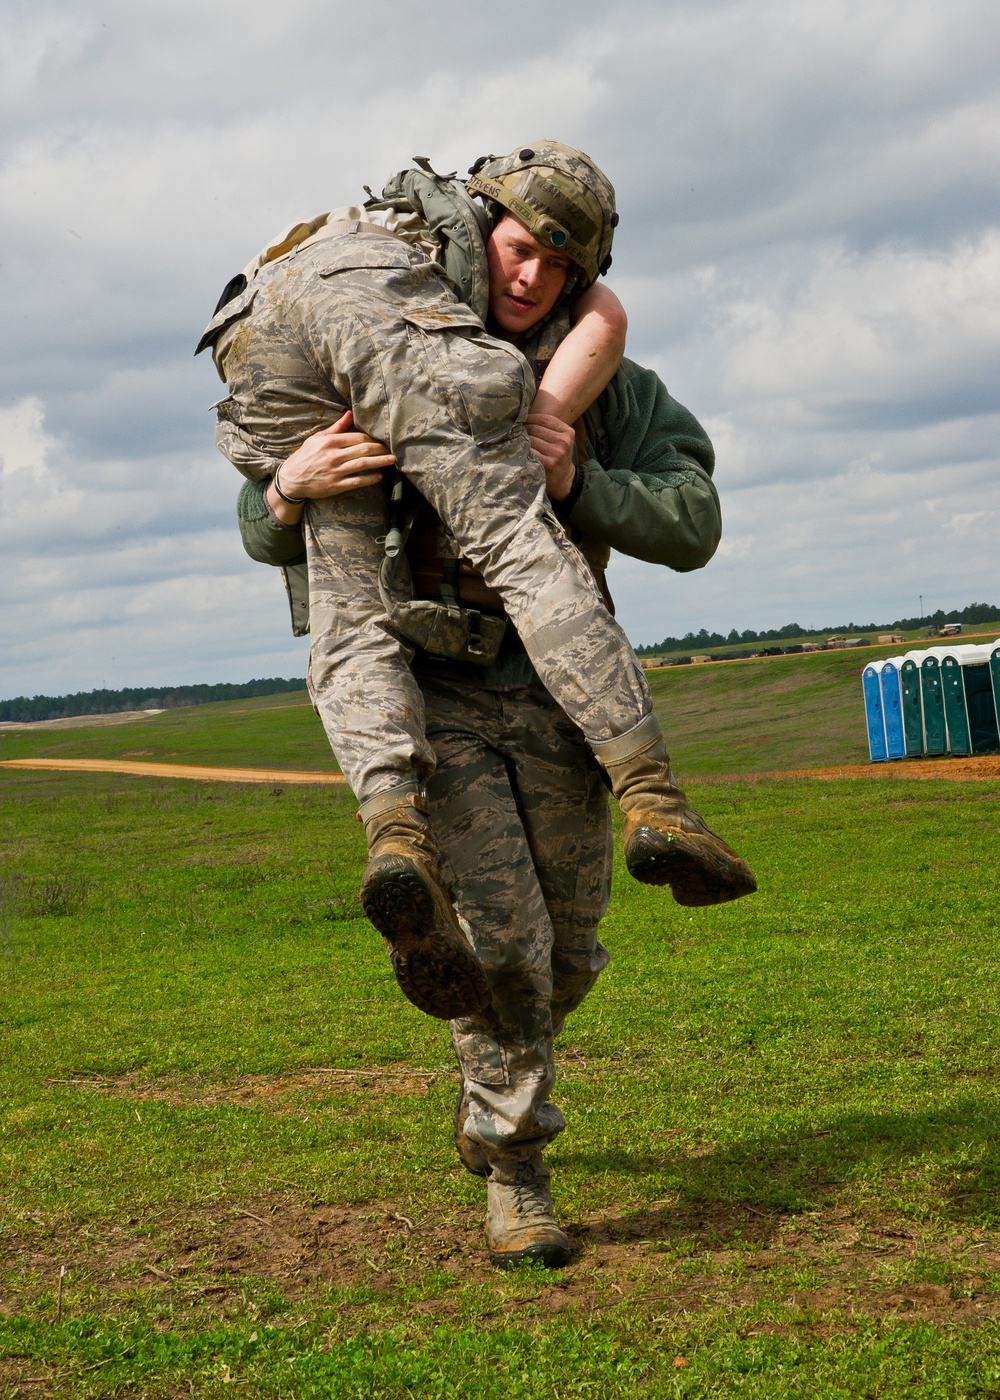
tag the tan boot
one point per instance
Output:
(666, 841)
(404, 897)
(472, 1154)
(520, 1222)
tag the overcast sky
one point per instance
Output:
(808, 252)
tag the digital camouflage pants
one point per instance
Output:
(520, 813)
(365, 321)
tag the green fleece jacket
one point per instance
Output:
(645, 489)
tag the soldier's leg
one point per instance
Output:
(281, 390)
(456, 425)
(372, 710)
(564, 807)
(360, 680)
(505, 1053)
(521, 815)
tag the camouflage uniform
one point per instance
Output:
(366, 321)
(518, 806)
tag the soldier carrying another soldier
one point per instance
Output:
(517, 805)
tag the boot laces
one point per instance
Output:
(526, 1194)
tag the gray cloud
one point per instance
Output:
(808, 254)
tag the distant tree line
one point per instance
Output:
(22, 710)
(109, 702)
(698, 641)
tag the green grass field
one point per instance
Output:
(226, 1164)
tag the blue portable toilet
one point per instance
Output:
(994, 652)
(892, 709)
(913, 715)
(873, 714)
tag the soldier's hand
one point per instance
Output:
(329, 463)
(552, 442)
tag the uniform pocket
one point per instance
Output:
(347, 252)
(232, 311)
(485, 383)
(482, 1055)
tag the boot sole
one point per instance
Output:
(700, 870)
(555, 1255)
(434, 966)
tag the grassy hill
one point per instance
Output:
(767, 714)
(772, 713)
(726, 717)
(269, 731)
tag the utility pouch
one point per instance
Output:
(442, 629)
(459, 634)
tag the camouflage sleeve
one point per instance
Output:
(265, 538)
(648, 488)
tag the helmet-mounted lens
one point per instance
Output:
(548, 231)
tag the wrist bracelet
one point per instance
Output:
(289, 500)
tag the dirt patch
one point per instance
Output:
(82, 721)
(282, 1092)
(668, 1261)
(987, 766)
(175, 770)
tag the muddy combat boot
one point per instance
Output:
(520, 1222)
(403, 895)
(472, 1154)
(666, 841)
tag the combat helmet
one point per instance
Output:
(561, 197)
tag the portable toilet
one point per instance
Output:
(994, 652)
(953, 696)
(980, 702)
(873, 714)
(909, 694)
(931, 703)
(892, 709)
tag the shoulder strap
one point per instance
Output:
(458, 222)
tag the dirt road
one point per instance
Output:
(956, 769)
(173, 770)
